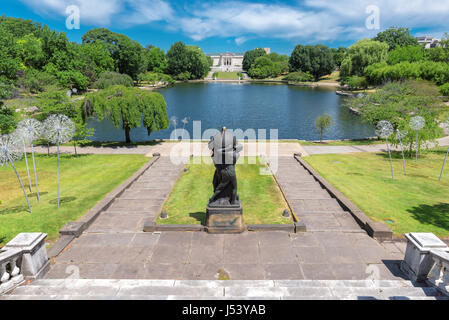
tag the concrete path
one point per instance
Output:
(114, 246)
(442, 142)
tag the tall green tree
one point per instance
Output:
(8, 119)
(250, 57)
(187, 60)
(395, 37)
(127, 107)
(363, 53)
(317, 60)
(128, 55)
(156, 60)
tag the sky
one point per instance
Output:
(237, 26)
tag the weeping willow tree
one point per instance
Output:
(128, 107)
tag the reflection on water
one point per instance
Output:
(291, 110)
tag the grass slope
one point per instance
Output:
(84, 180)
(415, 203)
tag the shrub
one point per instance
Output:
(36, 81)
(7, 90)
(108, 79)
(356, 82)
(444, 89)
(299, 77)
(428, 70)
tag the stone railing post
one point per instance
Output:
(10, 272)
(417, 261)
(439, 273)
(34, 259)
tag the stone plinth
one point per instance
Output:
(34, 254)
(225, 218)
(418, 261)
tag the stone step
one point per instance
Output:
(60, 289)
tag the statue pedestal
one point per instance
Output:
(224, 218)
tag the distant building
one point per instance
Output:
(226, 62)
(267, 50)
(428, 41)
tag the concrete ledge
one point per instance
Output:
(149, 225)
(179, 227)
(300, 226)
(60, 245)
(377, 230)
(72, 229)
(272, 227)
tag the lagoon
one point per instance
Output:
(291, 110)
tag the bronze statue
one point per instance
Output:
(225, 153)
(224, 212)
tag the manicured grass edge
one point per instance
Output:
(74, 229)
(377, 230)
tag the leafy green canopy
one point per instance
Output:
(270, 65)
(127, 107)
(395, 37)
(128, 55)
(317, 60)
(250, 57)
(362, 54)
(398, 102)
(187, 62)
(323, 124)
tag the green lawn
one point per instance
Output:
(415, 203)
(261, 199)
(85, 180)
(227, 76)
(361, 142)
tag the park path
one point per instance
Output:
(334, 247)
(442, 142)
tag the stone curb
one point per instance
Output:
(74, 229)
(272, 227)
(377, 230)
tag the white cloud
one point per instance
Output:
(309, 21)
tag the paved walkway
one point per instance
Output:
(362, 148)
(114, 246)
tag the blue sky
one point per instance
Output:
(238, 26)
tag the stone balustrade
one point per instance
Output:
(10, 270)
(439, 273)
(24, 257)
(427, 260)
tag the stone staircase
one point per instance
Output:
(84, 289)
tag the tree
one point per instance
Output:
(187, 62)
(339, 54)
(128, 107)
(362, 54)
(405, 53)
(8, 119)
(398, 102)
(395, 37)
(30, 51)
(156, 60)
(323, 123)
(317, 60)
(250, 57)
(128, 55)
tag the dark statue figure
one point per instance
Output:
(225, 153)
(224, 212)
